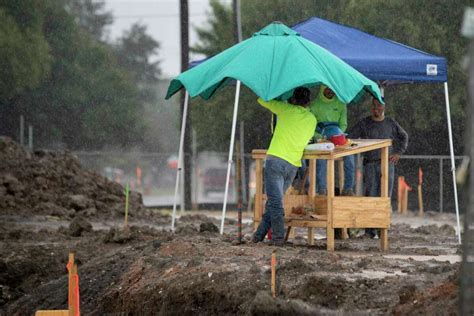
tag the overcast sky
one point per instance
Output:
(162, 20)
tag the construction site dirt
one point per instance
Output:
(148, 270)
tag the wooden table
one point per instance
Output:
(331, 211)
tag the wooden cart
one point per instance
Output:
(332, 211)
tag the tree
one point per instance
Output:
(134, 51)
(25, 53)
(85, 101)
(90, 16)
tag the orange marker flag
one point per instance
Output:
(405, 184)
(139, 176)
(420, 176)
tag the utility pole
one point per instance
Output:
(184, 18)
(242, 198)
(466, 299)
(237, 21)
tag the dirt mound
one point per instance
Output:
(51, 183)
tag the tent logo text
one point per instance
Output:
(431, 70)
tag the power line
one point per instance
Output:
(139, 16)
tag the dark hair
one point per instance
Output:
(374, 99)
(301, 96)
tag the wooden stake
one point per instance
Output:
(239, 191)
(420, 200)
(127, 191)
(70, 264)
(273, 273)
(400, 195)
(420, 191)
(405, 200)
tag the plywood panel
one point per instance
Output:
(306, 223)
(320, 205)
(361, 212)
(289, 202)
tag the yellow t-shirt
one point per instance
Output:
(295, 127)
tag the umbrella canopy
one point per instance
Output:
(272, 63)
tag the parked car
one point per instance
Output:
(214, 180)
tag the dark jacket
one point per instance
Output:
(367, 128)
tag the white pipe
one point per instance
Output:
(231, 148)
(180, 159)
(453, 165)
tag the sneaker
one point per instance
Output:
(372, 233)
(255, 239)
(322, 192)
(347, 192)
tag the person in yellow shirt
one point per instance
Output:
(296, 125)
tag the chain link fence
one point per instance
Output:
(154, 175)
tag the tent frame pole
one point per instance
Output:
(231, 149)
(180, 161)
(453, 165)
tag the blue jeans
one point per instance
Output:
(278, 176)
(349, 173)
(372, 177)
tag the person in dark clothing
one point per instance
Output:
(377, 126)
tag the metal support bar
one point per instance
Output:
(180, 160)
(229, 165)
(453, 165)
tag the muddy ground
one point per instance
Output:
(151, 271)
(50, 206)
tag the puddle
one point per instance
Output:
(440, 258)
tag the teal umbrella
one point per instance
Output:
(272, 63)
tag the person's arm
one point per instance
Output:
(275, 106)
(400, 142)
(343, 118)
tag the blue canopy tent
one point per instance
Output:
(377, 58)
(385, 61)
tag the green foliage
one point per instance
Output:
(25, 53)
(429, 25)
(91, 16)
(133, 52)
(66, 81)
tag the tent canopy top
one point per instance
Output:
(377, 58)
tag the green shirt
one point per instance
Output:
(294, 129)
(329, 110)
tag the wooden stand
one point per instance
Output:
(331, 211)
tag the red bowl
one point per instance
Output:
(338, 140)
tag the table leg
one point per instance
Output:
(257, 216)
(340, 182)
(340, 169)
(330, 197)
(384, 193)
(310, 236)
(312, 180)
